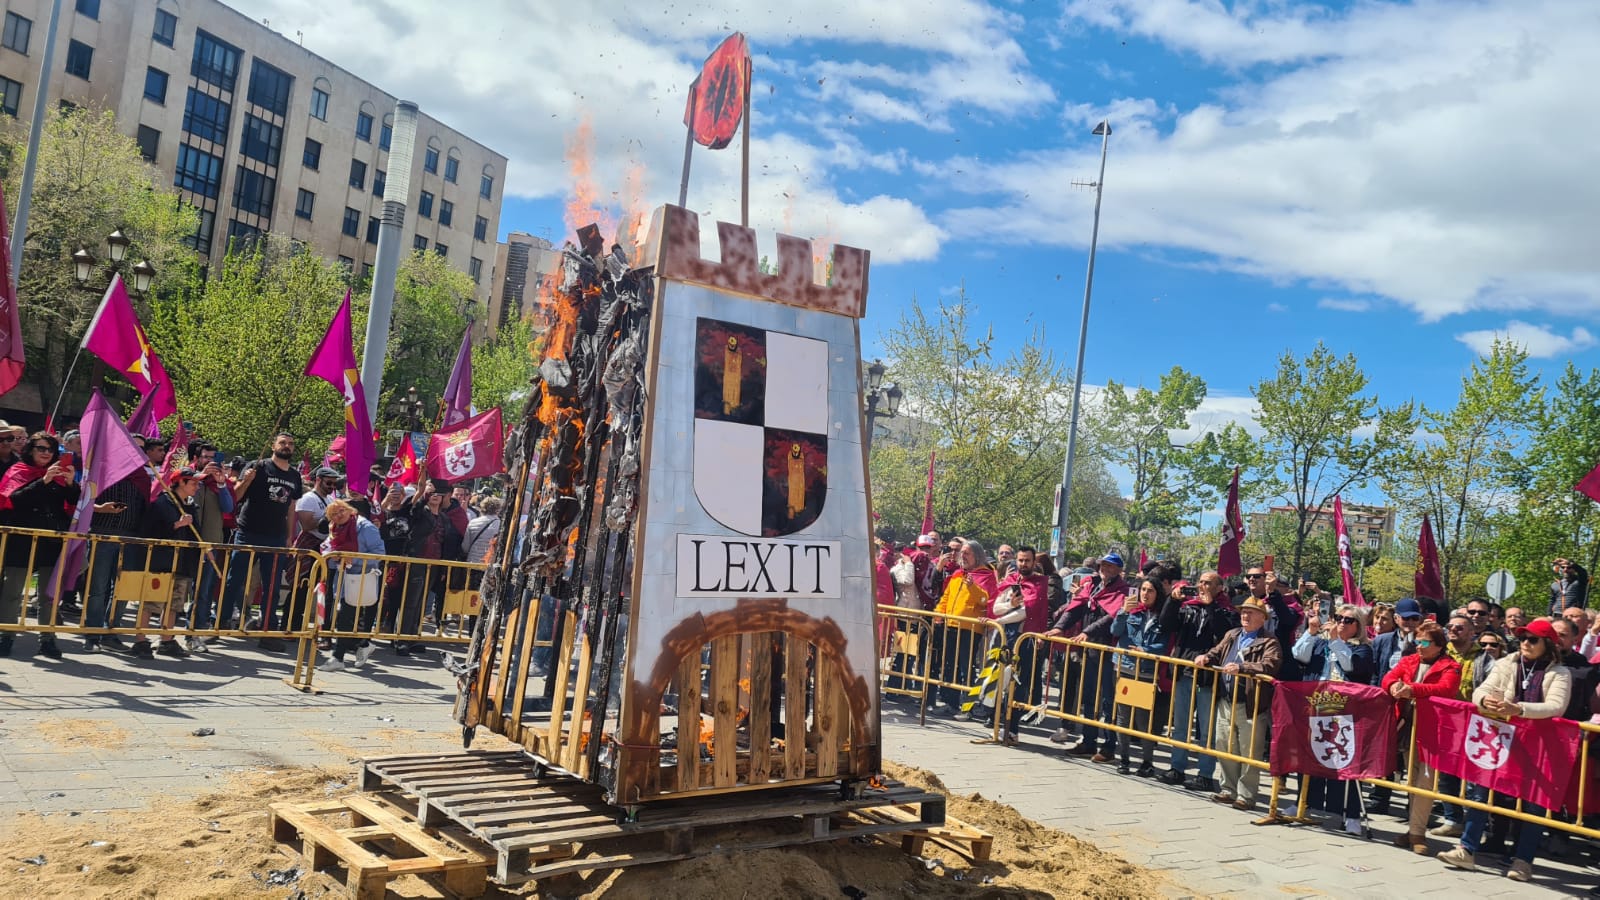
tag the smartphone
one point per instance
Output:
(67, 461)
(1188, 590)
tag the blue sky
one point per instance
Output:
(1402, 181)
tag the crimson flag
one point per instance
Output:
(1352, 591)
(11, 348)
(927, 496)
(1590, 485)
(404, 469)
(468, 450)
(1531, 759)
(1332, 729)
(717, 96)
(1429, 580)
(1228, 562)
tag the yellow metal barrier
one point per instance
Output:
(948, 658)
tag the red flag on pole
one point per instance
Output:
(1531, 759)
(927, 496)
(468, 450)
(716, 98)
(11, 346)
(116, 336)
(404, 470)
(1228, 561)
(1352, 591)
(1429, 580)
(1332, 729)
(1144, 560)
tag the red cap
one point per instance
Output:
(1539, 628)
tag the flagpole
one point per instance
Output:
(68, 380)
(688, 147)
(19, 231)
(744, 170)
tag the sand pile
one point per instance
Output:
(218, 845)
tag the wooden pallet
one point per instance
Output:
(967, 840)
(382, 842)
(540, 824)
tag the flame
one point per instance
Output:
(876, 783)
(583, 206)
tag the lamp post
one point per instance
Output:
(1059, 533)
(882, 401)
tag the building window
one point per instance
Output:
(166, 28)
(430, 161)
(10, 96)
(447, 212)
(198, 172)
(149, 139)
(312, 158)
(215, 61)
(419, 242)
(385, 135)
(319, 104)
(364, 126)
(80, 57)
(358, 174)
(270, 87)
(201, 239)
(252, 192)
(241, 235)
(155, 85)
(372, 229)
(206, 117)
(349, 264)
(17, 32)
(380, 179)
(480, 229)
(262, 140)
(352, 222)
(452, 168)
(303, 204)
(425, 205)
(90, 8)
(486, 186)
(441, 249)
(475, 269)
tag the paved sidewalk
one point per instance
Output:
(105, 731)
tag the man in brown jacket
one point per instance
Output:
(1244, 704)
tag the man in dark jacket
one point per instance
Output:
(1199, 622)
(1283, 620)
(1087, 616)
(1244, 718)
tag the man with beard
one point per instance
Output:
(1030, 588)
(266, 494)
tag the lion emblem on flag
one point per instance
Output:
(1333, 740)
(1488, 743)
(458, 456)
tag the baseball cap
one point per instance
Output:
(924, 540)
(1407, 608)
(1538, 628)
(1113, 558)
(186, 473)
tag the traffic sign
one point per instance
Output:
(1502, 584)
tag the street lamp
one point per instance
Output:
(117, 244)
(883, 401)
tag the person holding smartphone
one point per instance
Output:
(38, 490)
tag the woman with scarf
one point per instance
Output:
(1531, 685)
(1137, 626)
(1336, 650)
(37, 491)
(351, 532)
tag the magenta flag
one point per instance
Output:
(1429, 580)
(469, 450)
(1228, 561)
(109, 455)
(1590, 485)
(335, 362)
(927, 496)
(142, 421)
(458, 390)
(1332, 729)
(1352, 591)
(116, 336)
(1531, 759)
(11, 348)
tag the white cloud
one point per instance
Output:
(1427, 152)
(1538, 340)
(1344, 304)
(1277, 308)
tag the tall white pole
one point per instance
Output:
(391, 231)
(1058, 536)
(19, 228)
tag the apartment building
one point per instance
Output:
(520, 262)
(258, 133)
(1370, 527)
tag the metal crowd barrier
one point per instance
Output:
(935, 652)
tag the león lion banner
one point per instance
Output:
(1332, 729)
(1531, 759)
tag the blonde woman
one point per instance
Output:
(1336, 650)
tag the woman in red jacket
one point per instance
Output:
(1430, 672)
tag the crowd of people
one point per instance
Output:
(225, 529)
(1241, 635)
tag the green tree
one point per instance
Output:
(1326, 435)
(1457, 474)
(236, 354)
(503, 369)
(431, 305)
(90, 180)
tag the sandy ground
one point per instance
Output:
(218, 845)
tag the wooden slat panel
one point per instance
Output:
(521, 637)
(689, 722)
(725, 706)
(580, 698)
(794, 707)
(760, 708)
(826, 721)
(560, 670)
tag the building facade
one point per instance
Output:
(258, 133)
(1370, 527)
(520, 262)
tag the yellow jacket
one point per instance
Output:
(963, 597)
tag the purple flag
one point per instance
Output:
(116, 336)
(143, 421)
(109, 455)
(458, 390)
(335, 362)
